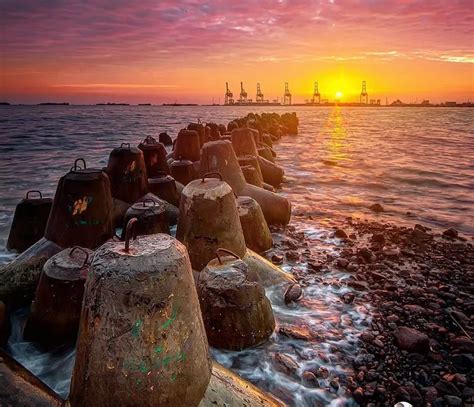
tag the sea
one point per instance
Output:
(418, 163)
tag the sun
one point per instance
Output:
(338, 94)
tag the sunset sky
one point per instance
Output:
(185, 51)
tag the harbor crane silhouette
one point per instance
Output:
(364, 96)
(259, 96)
(229, 96)
(287, 95)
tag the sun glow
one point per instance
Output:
(338, 94)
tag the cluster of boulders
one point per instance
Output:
(420, 287)
(116, 290)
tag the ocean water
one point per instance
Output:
(418, 163)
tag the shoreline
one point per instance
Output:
(418, 285)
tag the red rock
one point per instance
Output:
(322, 372)
(285, 363)
(378, 238)
(343, 263)
(462, 344)
(310, 378)
(292, 256)
(340, 234)
(297, 332)
(451, 232)
(358, 285)
(277, 259)
(411, 340)
(376, 207)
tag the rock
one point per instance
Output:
(409, 393)
(463, 344)
(296, 332)
(165, 139)
(463, 361)
(286, 364)
(358, 394)
(343, 263)
(393, 318)
(467, 393)
(322, 372)
(352, 267)
(419, 234)
(310, 379)
(407, 252)
(430, 394)
(4, 324)
(334, 383)
(358, 285)
(277, 259)
(292, 256)
(348, 298)
(378, 343)
(378, 238)
(340, 234)
(447, 388)
(376, 207)
(411, 340)
(461, 318)
(366, 254)
(315, 266)
(293, 293)
(451, 232)
(367, 337)
(391, 251)
(453, 401)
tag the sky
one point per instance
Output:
(186, 50)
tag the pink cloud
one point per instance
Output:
(109, 31)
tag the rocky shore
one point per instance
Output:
(419, 287)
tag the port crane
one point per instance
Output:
(229, 96)
(287, 95)
(364, 96)
(316, 94)
(259, 97)
(243, 94)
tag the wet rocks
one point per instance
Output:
(418, 348)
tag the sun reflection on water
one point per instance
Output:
(337, 143)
